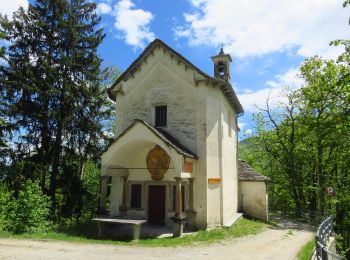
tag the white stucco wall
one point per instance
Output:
(253, 199)
(116, 195)
(221, 157)
(214, 159)
(229, 165)
(163, 80)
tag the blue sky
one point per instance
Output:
(267, 39)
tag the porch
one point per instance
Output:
(148, 175)
(164, 206)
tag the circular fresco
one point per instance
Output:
(158, 162)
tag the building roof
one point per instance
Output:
(247, 173)
(164, 136)
(225, 87)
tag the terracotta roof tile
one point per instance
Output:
(247, 173)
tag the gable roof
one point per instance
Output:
(247, 173)
(225, 87)
(163, 135)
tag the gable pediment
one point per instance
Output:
(154, 49)
(149, 52)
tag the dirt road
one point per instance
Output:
(280, 242)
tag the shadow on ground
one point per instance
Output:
(120, 232)
(283, 223)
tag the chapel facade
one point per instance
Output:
(174, 158)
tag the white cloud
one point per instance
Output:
(289, 78)
(133, 23)
(274, 91)
(241, 125)
(266, 26)
(103, 8)
(247, 90)
(248, 132)
(7, 7)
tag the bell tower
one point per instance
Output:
(222, 65)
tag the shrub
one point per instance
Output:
(29, 212)
(5, 196)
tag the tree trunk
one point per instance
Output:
(57, 151)
(320, 175)
(313, 198)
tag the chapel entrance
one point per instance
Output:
(156, 204)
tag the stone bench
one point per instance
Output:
(136, 223)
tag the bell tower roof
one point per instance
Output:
(222, 56)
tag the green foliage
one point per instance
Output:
(306, 251)
(54, 93)
(303, 146)
(2, 49)
(91, 185)
(5, 197)
(29, 212)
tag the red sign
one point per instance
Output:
(188, 167)
(329, 191)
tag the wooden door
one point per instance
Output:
(156, 204)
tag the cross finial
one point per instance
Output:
(222, 49)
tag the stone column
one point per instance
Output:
(190, 212)
(103, 195)
(123, 208)
(190, 193)
(178, 209)
(178, 219)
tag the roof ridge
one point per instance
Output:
(248, 173)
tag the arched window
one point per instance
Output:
(221, 68)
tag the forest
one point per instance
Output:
(56, 120)
(303, 145)
(55, 117)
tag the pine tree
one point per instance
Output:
(53, 93)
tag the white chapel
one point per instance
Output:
(174, 158)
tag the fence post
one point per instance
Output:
(324, 231)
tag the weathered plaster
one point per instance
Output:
(199, 116)
(253, 199)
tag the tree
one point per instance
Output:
(54, 94)
(2, 116)
(322, 112)
(29, 211)
(304, 145)
(278, 133)
(2, 49)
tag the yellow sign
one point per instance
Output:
(214, 180)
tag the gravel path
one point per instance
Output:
(280, 242)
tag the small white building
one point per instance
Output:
(253, 199)
(174, 158)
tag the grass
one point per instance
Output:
(87, 234)
(289, 233)
(306, 251)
